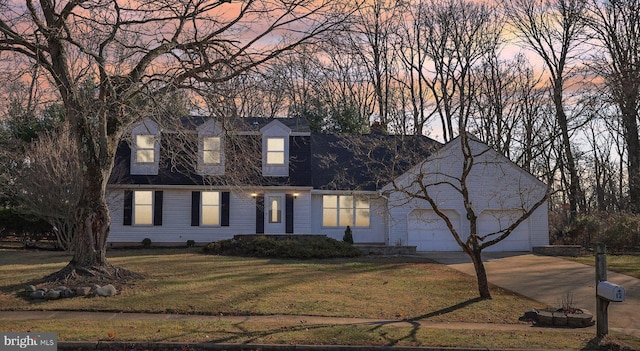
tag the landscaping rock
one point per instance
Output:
(545, 318)
(67, 293)
(531, 315)
(30, 289)
(580, 320)
(575, 319)
(52, 295)
(37, 295)
(559, 319)
(83, 291)
(105, 291)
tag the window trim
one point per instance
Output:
(276, 151)
(218, 150)
(135, 206)
(196, 209)
(353, 210)
(203, 205)
(152, 148)
(278, 214)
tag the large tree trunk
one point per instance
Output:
(481, 273)
(92, 225)
(92, 214)
(630, 118)
(575, 192)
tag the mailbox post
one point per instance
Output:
(606, 291)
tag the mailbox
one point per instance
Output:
(609, 291)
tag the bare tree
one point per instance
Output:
(451, 178)
(446, 180)
(370, 37)
(46, 184)
(135, 50)
(414, 80)
(616, 24)
(552, 29)
(457, 36)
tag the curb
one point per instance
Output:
(168, 346)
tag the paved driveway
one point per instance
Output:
(549, 279)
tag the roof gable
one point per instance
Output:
(440, 164)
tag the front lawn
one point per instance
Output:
(186, 281)
(625, 264)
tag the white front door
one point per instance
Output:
(274, 221)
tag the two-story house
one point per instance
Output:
(274, 176)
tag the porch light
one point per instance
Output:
(295, 195)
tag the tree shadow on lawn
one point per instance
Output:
(246, 336)
(416, 326)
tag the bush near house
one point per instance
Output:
(348, 236)
(620, 232)
(262, 246)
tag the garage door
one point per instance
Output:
(428, 232)
(492, 221)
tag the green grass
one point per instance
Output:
(186, 281)
(275, 333)
(625, 264)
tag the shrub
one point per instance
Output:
(620, 232)
(263, 246)
(146, 242)
(191, 243)
(348, 236)
(582, 232)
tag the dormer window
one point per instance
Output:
(211, 151)
(275, 151)
(145, 148)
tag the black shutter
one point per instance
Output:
(289, 213)
(128, 207)
(195, 208)
(260, 214)
(224, 221)
(157, 208)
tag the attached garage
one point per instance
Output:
(428, 232)
(497, 190)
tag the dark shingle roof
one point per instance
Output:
(247, 124)
(364, 162)
(321, 161)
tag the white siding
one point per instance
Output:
(539, 225)
(176, 219)
(302, 213)
(495, 184)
